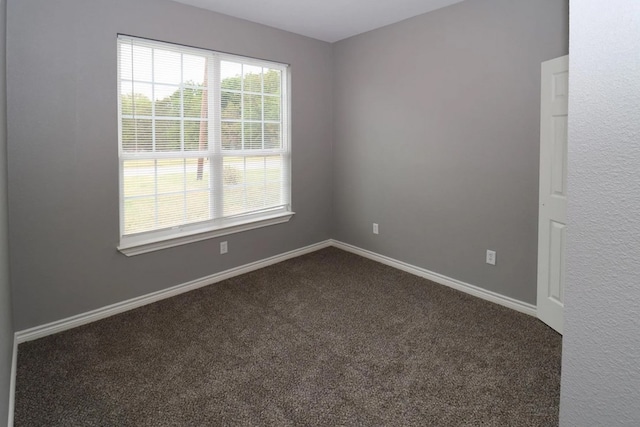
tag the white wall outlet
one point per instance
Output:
(491, 257)
(224, 248)
(375, 228)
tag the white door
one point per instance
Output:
(552, 214)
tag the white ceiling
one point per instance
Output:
(327, 20)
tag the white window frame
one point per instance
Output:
(139, 243)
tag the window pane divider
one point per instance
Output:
(252, 153)
(150, 155)
(161, 118)
(215, 130)
(168, 193)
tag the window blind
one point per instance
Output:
(203, 137)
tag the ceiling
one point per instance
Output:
(327, 20)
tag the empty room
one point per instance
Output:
(418, 212)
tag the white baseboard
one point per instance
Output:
(12, 383)
(476, 291)
(121, 307)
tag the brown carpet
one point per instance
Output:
(325, 339)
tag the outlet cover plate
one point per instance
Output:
(491, 257)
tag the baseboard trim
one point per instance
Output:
(476, 291)
(121, 307)
(12, 382)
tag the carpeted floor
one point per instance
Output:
(325, 339)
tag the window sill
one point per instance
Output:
(151, 245)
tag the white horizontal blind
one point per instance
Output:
(203, 137)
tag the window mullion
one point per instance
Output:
(181, 102)
(264, 159)
(242, 139)
(120, 138)
(182, 144)
(285, 132)
(156, 206)
(217, 184)
(262, 106)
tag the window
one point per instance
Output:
(203, 144)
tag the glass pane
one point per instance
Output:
(255, 197)
(198, 206)
(141, 65)
(126, 62)
(167, 66)
(233, 174)
(272, 137)
(272, 108)
(195, 135)
(140, 104)
(273, 168)
(171, 210)
(273, 194)
(230, 105)
(231, 136)
(252, 136)
(136, 135)
(252, 76)
(233, 184)
(195, 102)
(139, 214)
(252, 107)
(168, 135)
(272, 82)
(135, 99)
(139, 178)
(198, 174)
(255, 167)
(126, 99)
(167, 100)
(273, 186)
(231, 75)
(170, 174)
(194, 69)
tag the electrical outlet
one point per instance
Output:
(491, 257)
(223, 247)
(375, 228)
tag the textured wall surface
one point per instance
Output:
(63, 139)
(601, 348)
(6, 328)
(437, 129)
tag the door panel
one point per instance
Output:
(552, 218)
(559, 158)
(555, 290)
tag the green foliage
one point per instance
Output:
(137, 132)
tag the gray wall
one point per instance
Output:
(6, 328)
(436, 138)
(63, 174)
(601, 346)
